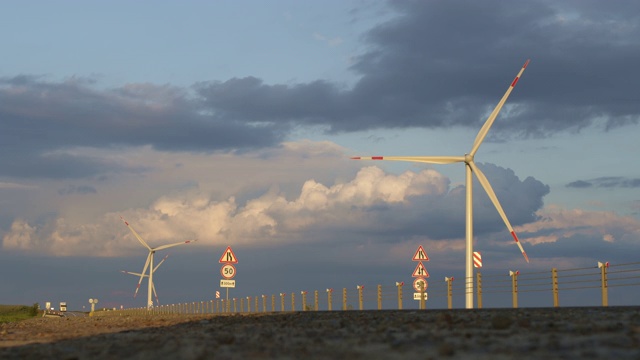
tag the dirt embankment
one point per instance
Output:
(565, 333)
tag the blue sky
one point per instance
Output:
(233, 123)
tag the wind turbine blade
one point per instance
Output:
(494, 199)
(172, 245)
(153, 286)
(423, 159)
(487, 125)
(144, 270)
(160, 263)
(132, 273)
(135, 234)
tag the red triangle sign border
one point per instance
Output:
(228, 257)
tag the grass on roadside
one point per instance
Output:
(11, 313)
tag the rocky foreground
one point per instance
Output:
(544, 333)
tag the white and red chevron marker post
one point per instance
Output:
(477, 259)
(470, 170)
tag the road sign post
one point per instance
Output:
(228, 271)
(420, 273)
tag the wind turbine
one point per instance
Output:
(149, 262)
(470, 167)
(153, 286)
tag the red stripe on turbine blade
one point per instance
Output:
(515, 237)
(515, 81)
(355, 158)
(525, 64)
(525, 256)
(376, 157)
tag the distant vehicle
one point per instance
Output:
(63, 306)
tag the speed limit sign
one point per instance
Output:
(228, 271)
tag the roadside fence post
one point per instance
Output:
(248, 303)
(257, 307)
(264, 303)
(514, 287)
(273, 303)
(603, 279)
(293, 301)
(399, 286)
(315, 300)
(379, 297)
(282, 301)
(479, 289)
(360, 290)
(329, 302)
(235, 305)
(241, 305)
(344, 298)
(449, 281)
(554, 285)
(304, 300)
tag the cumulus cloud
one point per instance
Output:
(557, 223)
(269, 218)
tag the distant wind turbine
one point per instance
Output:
(470, 167)
(153, 286)
(149, 262)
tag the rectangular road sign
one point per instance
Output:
(416, 296)
(227, 283)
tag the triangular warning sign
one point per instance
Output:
(420, 271)
(228, 257)
(420, 255)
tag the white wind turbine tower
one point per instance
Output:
(149, 262)
(470, 167)
(153, 286)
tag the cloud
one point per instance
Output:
(557, 223)
(606, 182)
(579, 184)
(369, 206)
(79, 189)
(437, 82)
(457, 79)
(50, 117)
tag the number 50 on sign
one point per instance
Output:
(228, 271)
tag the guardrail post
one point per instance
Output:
(293, 301)
(264, 303)
(248, 303)
(304, 300)
(360, 290)
(344, 298)
(449, 280)
(399, 286)
(242, 305)
(379, 297)
(329, 300)
(235, 305)
(282, 301)
(603, 279)
(479, 289)
(256, 308)
(273, 303)
(315, 300)
(554, 286)
(514, 287)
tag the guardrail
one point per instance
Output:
(555, 282)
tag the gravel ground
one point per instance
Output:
(550, 333)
